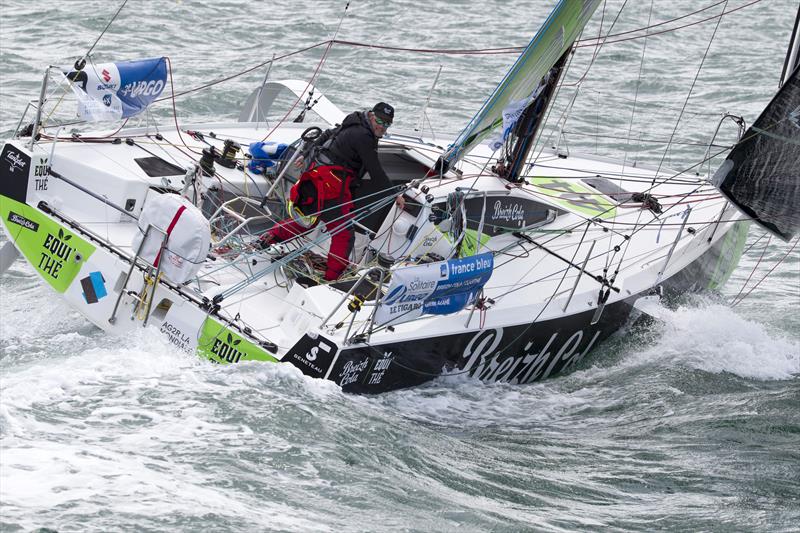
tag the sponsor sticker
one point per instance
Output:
(15, 161)
(94, 287)
(222, 345)
(20, 220)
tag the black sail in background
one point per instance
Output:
(762, 173)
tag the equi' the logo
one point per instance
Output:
(226, 350)
(57, 251)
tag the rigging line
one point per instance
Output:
(531, 241)
(87, 139)
(761, 257)
(599, 46)
(550, 106)
(581, 43)
(647, 140)
(679, 27)
(636, 94)
(444, 51)
(691, 88)
(476, 51)
(651, 26)
(62, 88)
(313, 75)
(83, 59)
(243, 72)
(652, 186)
(612, 96)
(596, 219)
(175, 109)
(354, 216)
(346, 68)
(568, 109)
(768, 273)
(550, 298)
(747, 250)
(290, 256)
(549, 277)
(220, 178)
(630, 178)
(633, 115)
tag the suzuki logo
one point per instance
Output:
(106, 76)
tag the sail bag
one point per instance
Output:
(188, 236)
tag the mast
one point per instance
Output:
(522, 138)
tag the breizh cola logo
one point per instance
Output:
(226, 349)
(57, 251)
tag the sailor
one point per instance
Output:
(333, 182)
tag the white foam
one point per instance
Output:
(716, 339)
(101, 429)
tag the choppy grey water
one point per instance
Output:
(692, 424)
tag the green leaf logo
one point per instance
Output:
(60, 234)
(236, 342)
(230, 338)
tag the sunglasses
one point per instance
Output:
(380, 122)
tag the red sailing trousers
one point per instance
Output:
(336, 214)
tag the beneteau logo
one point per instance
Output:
(226, 349)
(15, 161)
(22, 221)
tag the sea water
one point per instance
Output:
(690, 423)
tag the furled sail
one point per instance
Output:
(113, 91)
(518, 89)
(761, 175)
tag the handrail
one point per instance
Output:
(348, 294)
(243, 221)
(39, 107)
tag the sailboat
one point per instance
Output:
(504, 263)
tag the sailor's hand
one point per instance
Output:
(401, 202)
(298, 163)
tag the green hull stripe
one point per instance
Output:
(729, 255)
(222, 345)
(55, 252)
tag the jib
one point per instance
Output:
(226, 352)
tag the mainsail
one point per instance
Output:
(518, 88)
(761, 175)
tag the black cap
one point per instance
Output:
(384, 111)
